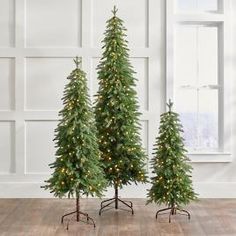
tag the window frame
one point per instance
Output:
(221, 18)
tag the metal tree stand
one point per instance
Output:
(78, 213)
(173, 211)
(115, 200)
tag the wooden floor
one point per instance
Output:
(42, 217)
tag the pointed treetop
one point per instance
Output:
(77, 62)
(170, 105)
(115, 9)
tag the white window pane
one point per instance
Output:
(196, 55)
(208, 119)
(187, 5)
(186, 106)
(197, 5)
(207, 5)
(186, 100)
(185, 55)
(208, 55)
(189, 122)
(199, 116)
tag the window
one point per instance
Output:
(196, 78)
(198, 5)
(197, 72)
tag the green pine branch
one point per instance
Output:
(116, 110)
(77, 169)
(171, 183)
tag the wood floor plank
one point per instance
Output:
(36, 217)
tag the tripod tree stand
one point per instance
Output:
(77, 213)
(77, 168)
(106, 203)
(117, 115)
(171, 183)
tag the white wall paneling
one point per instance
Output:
(7, 146)
(144, 137)
(39, 146)
(38, 40)
(141, 68)
(52, 23)
(7, 16)
(44, 82)
(7, 84)
(36, 56)
(93, 81)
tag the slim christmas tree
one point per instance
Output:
(77, 168)
(171, 184)
(117, 114)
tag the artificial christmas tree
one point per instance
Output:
(77, 168)
(171, 183)
(117, 114)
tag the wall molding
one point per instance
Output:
(34, 190)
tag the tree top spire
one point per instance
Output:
(170, 105)
(115, 9)
(77, 62)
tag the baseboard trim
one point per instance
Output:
(33, 190)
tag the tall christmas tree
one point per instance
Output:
(117, 114)
(171, 183)
(77, 168)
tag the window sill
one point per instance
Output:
(212, 157)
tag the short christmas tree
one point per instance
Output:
(77, 168)
(117, 113)
(171, 183)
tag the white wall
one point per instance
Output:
(38, 40)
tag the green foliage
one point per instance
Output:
(77, 168)
(171, 184)
(117, 110)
